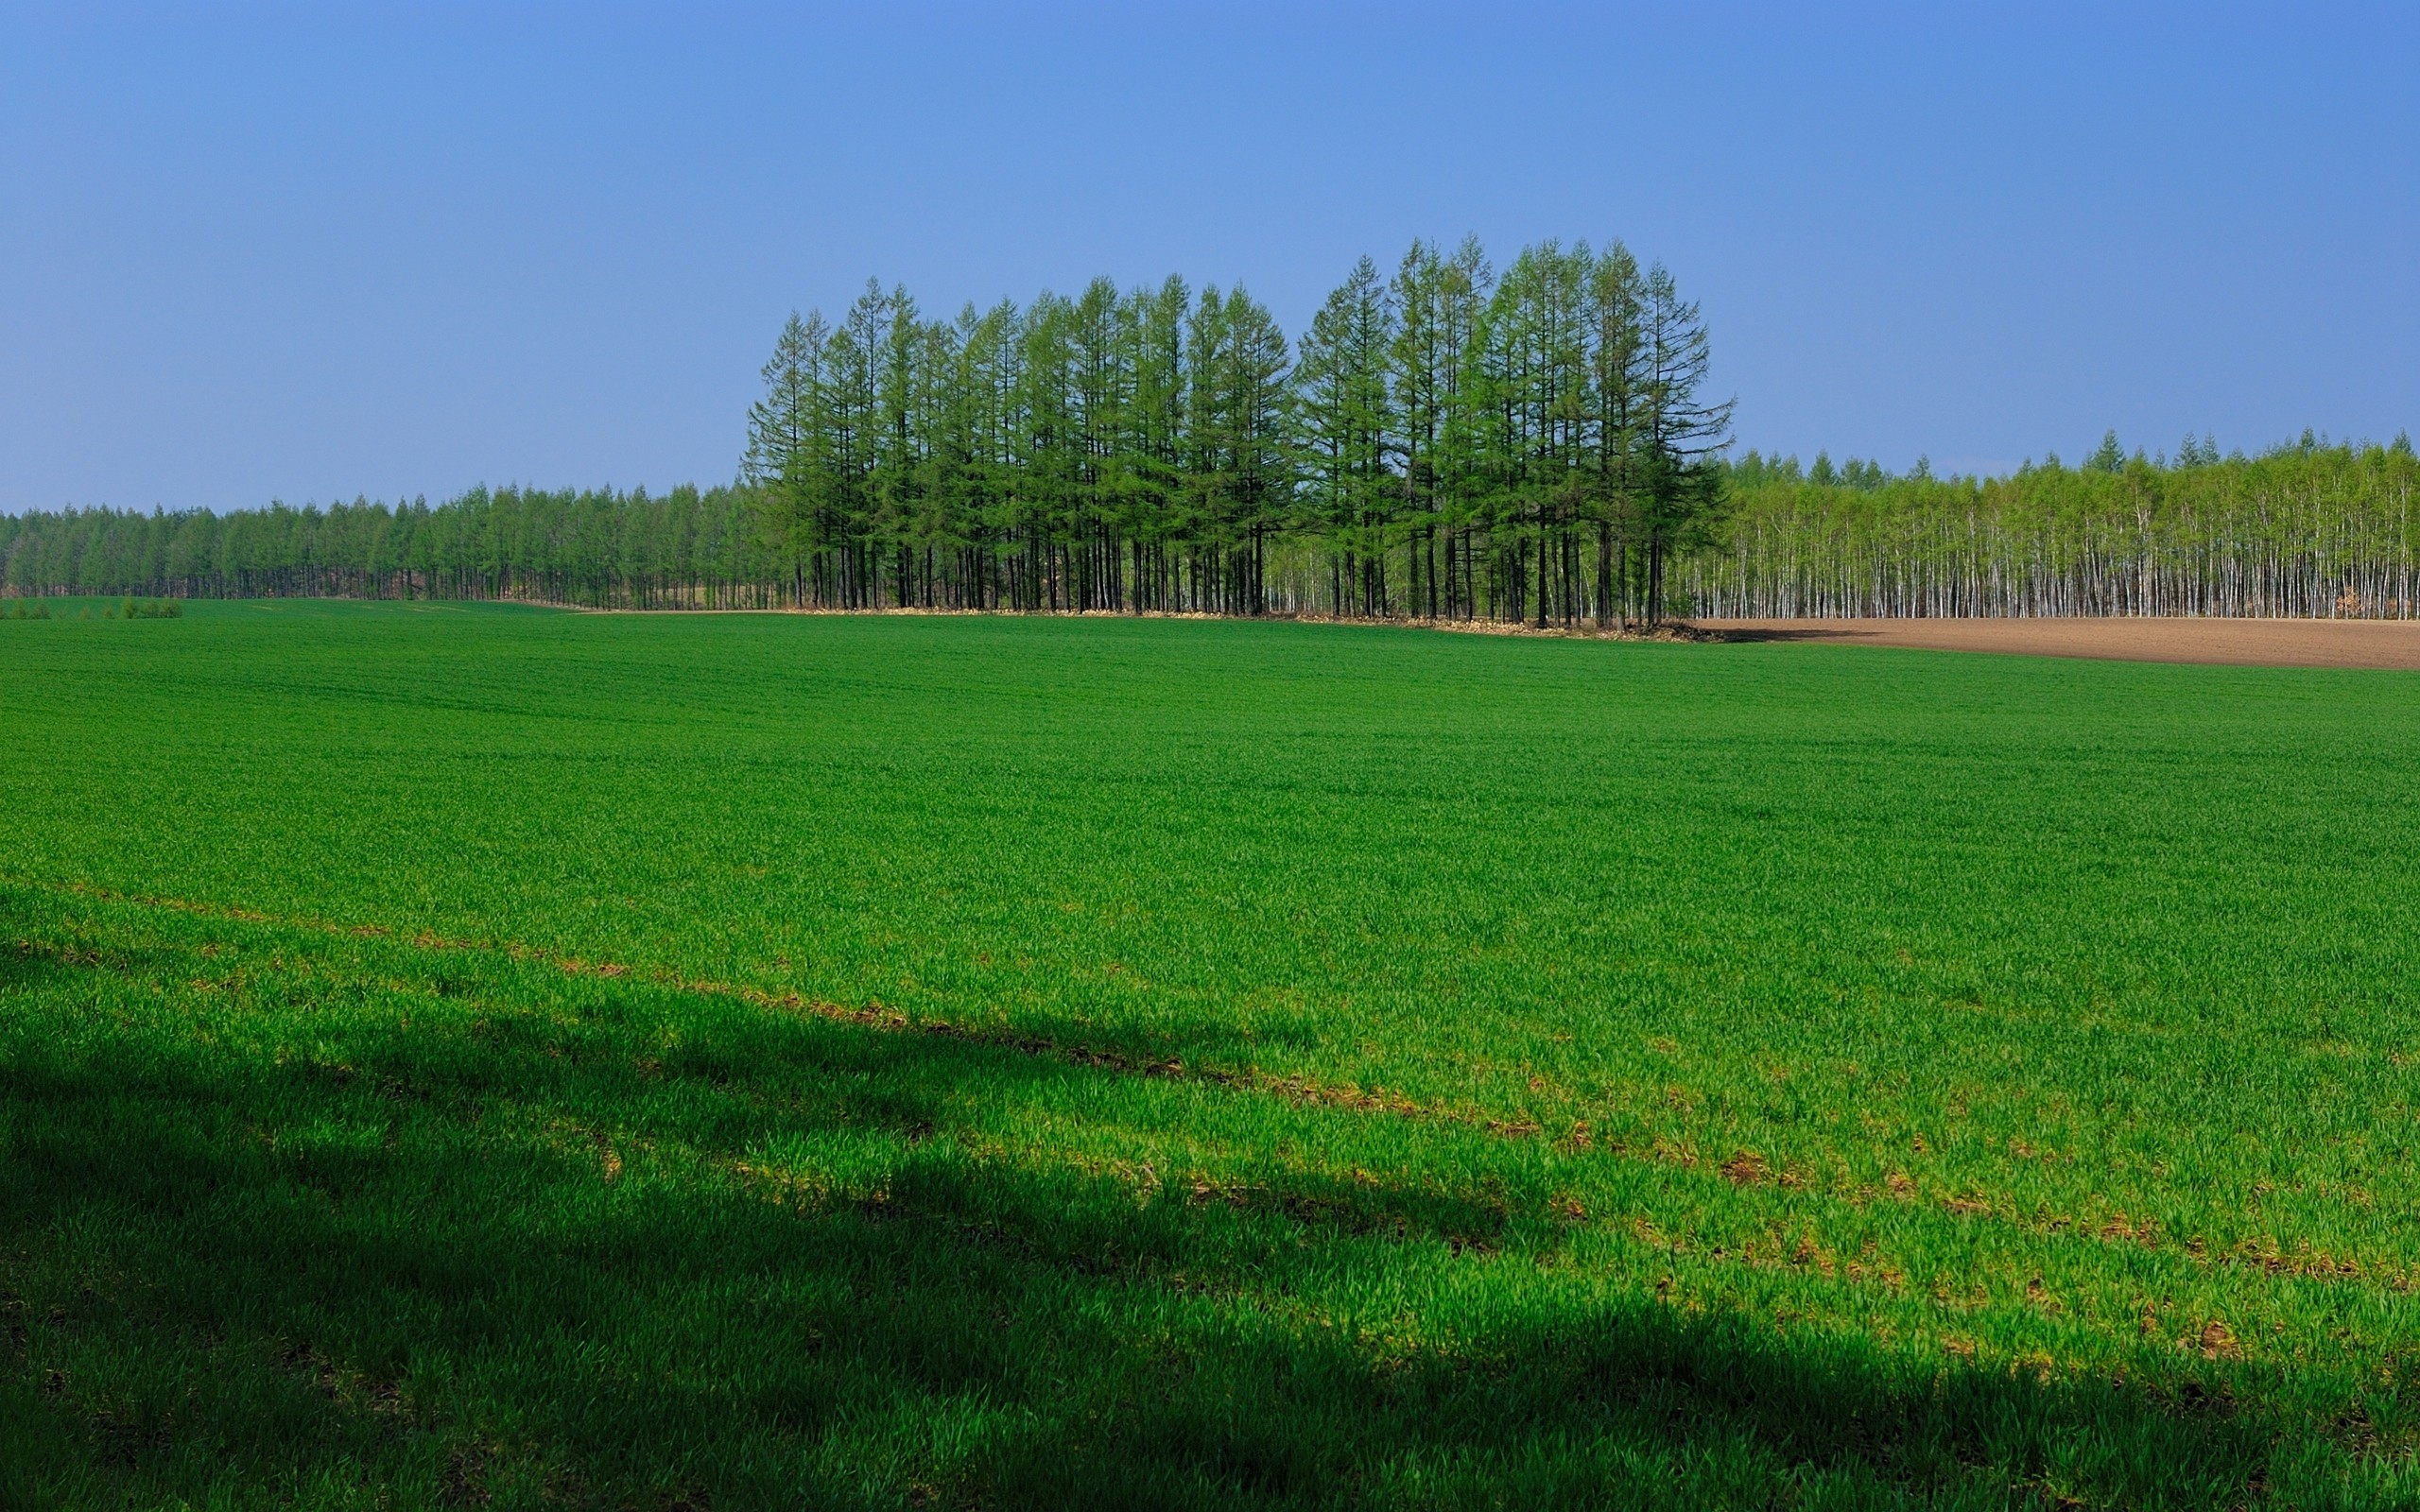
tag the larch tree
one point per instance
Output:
(1680, 484)
(1347, 424)
(784, 461)
(1618, 379)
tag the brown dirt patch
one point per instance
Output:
(2387, 644)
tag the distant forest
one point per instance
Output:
(1535, 446)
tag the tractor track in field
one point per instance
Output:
(1744, 1169)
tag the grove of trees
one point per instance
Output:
(1442, 442)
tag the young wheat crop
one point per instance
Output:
(486, 1054)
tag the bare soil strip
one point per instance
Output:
(2384, 644)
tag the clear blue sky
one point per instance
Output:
(313, 250)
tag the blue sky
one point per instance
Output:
(308, 252)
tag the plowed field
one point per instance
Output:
(2380, 644)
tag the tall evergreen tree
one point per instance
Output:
(1421, 379)
(1619, 381)
(1679, 496)
(1348, 431)
(784, 461)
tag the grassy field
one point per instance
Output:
(483, 1057)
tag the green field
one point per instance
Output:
(463, 1056)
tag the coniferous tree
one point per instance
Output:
(1619, 380)
(1151, 478)
(1348, 427)
(1465, 285)
(781, 457)
(1681, 486)
(1421, 379)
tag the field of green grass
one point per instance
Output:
(481, 1056)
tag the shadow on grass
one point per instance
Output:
(654, 1254)
(1733, 636)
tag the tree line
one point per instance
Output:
(603, 548)
(1444, 441)
(2305, 529)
